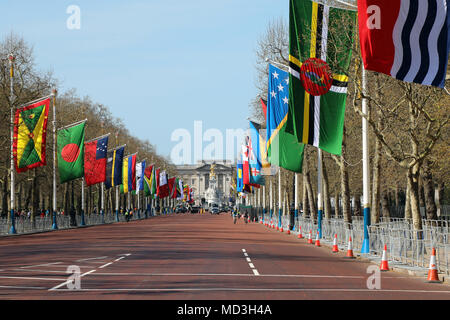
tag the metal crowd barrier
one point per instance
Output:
(25, 225)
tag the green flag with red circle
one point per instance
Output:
(70, 149)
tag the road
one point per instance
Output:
(190, 257)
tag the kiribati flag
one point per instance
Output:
(406, 39)
(95, 160)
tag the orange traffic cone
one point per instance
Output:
(432, 272)
(281, 229)
(384, 264)
(300, 236)
(317, 240)
(288, 231)
(335, 247)
(310, 237)
(350, 249)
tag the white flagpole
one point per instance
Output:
(295, 198)
(319, 192)
(279, 197)
(366, 174)
(102, 212)
(11, 59)
(54, 226)
(83, 207)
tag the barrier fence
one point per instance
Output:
(24, 224)
(405, 245)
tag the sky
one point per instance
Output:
(159, 65)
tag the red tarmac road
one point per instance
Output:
(190, 257)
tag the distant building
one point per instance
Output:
(197, 176)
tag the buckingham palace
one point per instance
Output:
(198, 177)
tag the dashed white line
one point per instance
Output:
(250, 264)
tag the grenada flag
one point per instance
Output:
(30, 135)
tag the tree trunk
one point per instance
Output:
(428, 187)
(413, 184)
(345, 193)
(336, 203)
(439, 192)
(408, 214)
(385, 206)
(375, 216)
(357, 210)
(305, 201)
(326, 193)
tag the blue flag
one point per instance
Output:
(114, 167)
(239, 177)
(255, 157)
(283, 148)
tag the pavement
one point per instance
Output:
(193, 257)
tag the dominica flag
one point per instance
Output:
(70, 149)
(30, 135)
(320, 43)
(406, 39)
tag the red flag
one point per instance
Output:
(157, 182)
(264, 107)
(172, 188)
(163, 185)
(245, 165)
(95, 161)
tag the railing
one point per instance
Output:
(405, 245)
(25, 225)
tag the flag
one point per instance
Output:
(172, 188)
(157, 181)
(239, 177)
(186, 193)
(140, 168)
(283, 148)
(317, 67)
(30, 136)
(264, 107)
(95, 160)
(129, 173)
(149, 180)
(163, 185)
(70, 149)
(245, 164)
(114, 168)
(408, 40)
(255, 159)
(180, 190)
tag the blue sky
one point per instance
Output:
(159, 65)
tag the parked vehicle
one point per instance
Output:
(195, 209)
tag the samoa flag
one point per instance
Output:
(95, 160)
(406, 39)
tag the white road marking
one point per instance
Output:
(31, 278)
(96, 258)
(89, 272)
(255, 272)
(20, 287)
(41, 265)
(264, 289)
(105, 265)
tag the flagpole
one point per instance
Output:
(54, 225)
(117, 203)
(319, 192)
(295, 198)
(366, 175)
(263, 203)
(102, 209)
(279, 197)
(82, 223)
(270, 199)
(11, 59)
